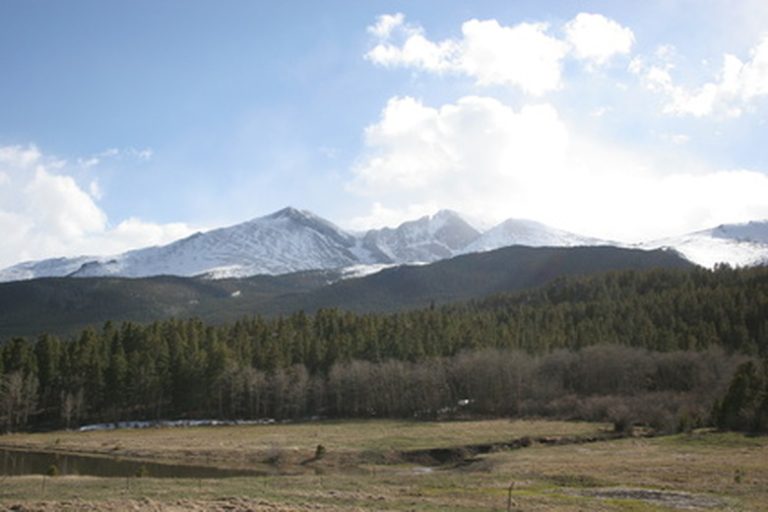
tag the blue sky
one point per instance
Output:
(131, 123)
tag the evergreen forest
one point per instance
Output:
(670, 349)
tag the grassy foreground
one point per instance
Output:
(361, 470)
(246, 446)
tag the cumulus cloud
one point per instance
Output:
(525, 55)
(385, 24)
(95, 190)
(134, 232)
(380, 216)
(45, 213)
(597, 39)
(415, 50)
(737, 85)
(492, 161)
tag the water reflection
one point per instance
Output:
(19, 462)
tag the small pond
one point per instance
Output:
(23, 462)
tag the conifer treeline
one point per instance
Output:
(288, 366)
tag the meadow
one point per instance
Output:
(386, 465)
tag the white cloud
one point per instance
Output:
(491, 161)
(415, 147)
(385, 24)
(144, 154)
(737, 85)
(87, 163)
(522, 55)
(45, 213)
(416, 50)
(17, 156)
(95, 190)
(134, 232)
(381, 216)
(597, 39)
(58, 203)
(525, 56)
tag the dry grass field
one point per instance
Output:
(244, 446)
(701, 471)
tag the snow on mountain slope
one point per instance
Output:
(738, 245)
(755, 232)
(289, 240)
(54, 267)
(363, 270)
(427, 239)
(292, 240)
(286, 241)
(530, 233)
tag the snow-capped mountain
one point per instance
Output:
(427, 239)
(736, 244)
(286, 241)
(292, 240)
(53, 267)
(530, 233)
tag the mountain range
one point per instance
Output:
(292, 240)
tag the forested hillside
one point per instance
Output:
(579, 347)
(65, 306)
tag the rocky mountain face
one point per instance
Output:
(427, 239)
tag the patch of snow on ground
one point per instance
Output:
(355, 271)
(172, 424)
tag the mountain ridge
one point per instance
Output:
(293, 240)
(737, 244)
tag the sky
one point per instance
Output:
(127, 124)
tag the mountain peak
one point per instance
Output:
(753, 231)
(526, 232)
(429, 238)
(289, 212)
(447, 214)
